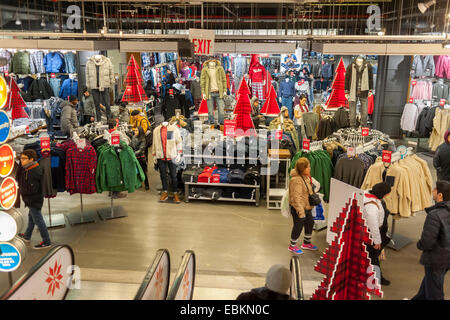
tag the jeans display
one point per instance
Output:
(215, 98)
(162, 165)
(363, 111)
(102, 97)
(35, 219)
(287, 102)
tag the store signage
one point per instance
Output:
(6, 73)
(45, 143)
(306, 143)
(442, 102)
(115, 139)
(10, 257)
(365, 132)
(6, 160)
(386, 156)
(414, 82)
(351, 152)
(4, 89)
(229, 127)
(411, 100)
(27, 130)
(301, 82)
(8, 193)
(53, 75)
(8, 227)
(279, 134)
(5, 126)
(203, 41)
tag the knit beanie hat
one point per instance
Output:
(447, 133)
(278, 279)
(135, 113)
(380, 190)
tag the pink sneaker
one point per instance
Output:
(295, 250)
(309, 246)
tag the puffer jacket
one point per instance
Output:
(173, 147)
(20, 63)
(140, 121)
(435, 239)
(106, 74)
(30, 183)
(298, 193)
(220, 78)
(441, 159)
(54, 62)
(69, 120)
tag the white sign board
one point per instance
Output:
(203, 41)
(340, 194)
(8, 227)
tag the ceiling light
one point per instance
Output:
(423, 6)
(43, 23)
(84, 32)
(121, 33)
(18, 22)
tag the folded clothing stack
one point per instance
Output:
(239, 193)
(223, 174)
(211, 193)
(252, 176)
(205, 176)
(190, 174)
(236, 176)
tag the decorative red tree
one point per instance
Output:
(134, 92)
(270, 106)
(349, 274)
(243, 109)
(15, 101)
(337, 97)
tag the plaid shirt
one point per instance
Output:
(80, 168)
(145, 56)
(37, 62)
(6, 55)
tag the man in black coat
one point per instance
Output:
(441, 159)
(435, 244)
(30, 177)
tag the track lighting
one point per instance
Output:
(43, 23)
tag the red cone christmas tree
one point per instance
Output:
(243, 110)
(270, 106)
(349, 274)
(134, 92)
(337, 97)
(15, 101)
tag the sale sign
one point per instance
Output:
(386, 157)
(414, 82)
(4, 89)
(5, 126)
(229, 127)
(301, 82)
(365, 132)
(6, 160)
(203, 41)
(8, 193)
(45, 143)
(306, 144)
(442, 102)
(411, 100)
(279, 134)
(115, 139)
(53, 76)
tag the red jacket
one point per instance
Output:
(257, 73)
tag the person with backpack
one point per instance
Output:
(435, 245)
(139, 146)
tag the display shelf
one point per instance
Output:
(212, 184)
(225, 199)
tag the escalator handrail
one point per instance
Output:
(296, 290)
(36, 267)
(151, 272)
(188, 254)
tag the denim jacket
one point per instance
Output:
(69, 60)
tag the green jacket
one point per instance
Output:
(220, 78)
(20, 63)
(118, 171)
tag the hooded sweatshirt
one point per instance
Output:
(441, 159)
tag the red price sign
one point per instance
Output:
(8, 193)
(442, 102)
(365, 132)
(27, 130)
(53, 75)
(45, 143)
(301, 82)
(229, 127)
(215, 178)
(279, 134)
(6, 73)
(115, 139)
(387, 156)
(6, 160)
(306, 143)
(414, 82)
(411, 100)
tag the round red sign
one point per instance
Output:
(6, 160)
(8, 193)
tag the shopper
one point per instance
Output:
(256, 116)
(89, 111)
(30, 178)
(441, 160)
(278, 282)
(124, 114)
(299, 109)
(139, 146)
(69, 120)
(435, 244)
(170, 79)
(376, 219)
(138, 119)
(300, 187)
(228, 76)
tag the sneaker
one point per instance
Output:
(164, 197)
(42, 245)
(176, 199)
(295, 249)
(385, 282)
(309, 246)
(22, 236)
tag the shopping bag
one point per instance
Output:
(285, 210)
(317, 213)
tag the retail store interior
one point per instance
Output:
(178, 126)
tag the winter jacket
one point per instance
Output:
(341, 116)
(68, 88)
(69, 120)
(221, 79)
(40, 89)
(140, 121)
(173, 145)
(441, 161)
(89, 106)
(435, 239)
(440, 91)
(196, 89)
(300, 188)
(420, 124)
(286, 90)
(373, 213)
(139, 146)
(423, 66)
(30, 183)
(257, 73)
(20, 63)
(442, 64)
(69, 61)
(105, 76)
(262, 294)
(170, 104)
(349, 76)
(54, 62)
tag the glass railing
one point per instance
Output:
(183, 285)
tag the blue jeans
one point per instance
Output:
(432, 287)
(287, 102)
(162, 165)
(35, 218)
(219, 102)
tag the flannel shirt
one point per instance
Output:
(37, 62)
(80, 168)
(145, 56)
(5, 55)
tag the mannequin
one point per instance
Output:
(257, 75)
(170, 104)
(358, 85)
(213, 84)
(166, 150)
(99, 80)
(286, 95)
